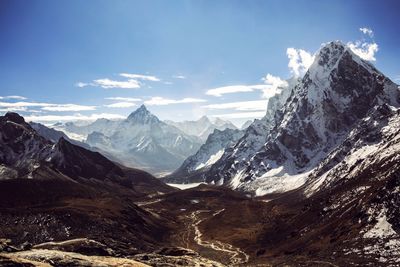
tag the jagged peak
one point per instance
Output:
(204, 118)
(327, 58)
(143, 108)
(14, 117)
(143, 116)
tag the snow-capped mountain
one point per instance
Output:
(374, 141)
(80, 132)
(27, 154)
(202, 127)
(254, 136)
(142, 140)
(277, 152)
(192, 168)
(24, 153)
(54, 135)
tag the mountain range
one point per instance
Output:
(203, 127)
(143, 141)
(194, 166)
(315, 182)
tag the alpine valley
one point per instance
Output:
(315, 182)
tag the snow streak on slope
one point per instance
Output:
(211, 160)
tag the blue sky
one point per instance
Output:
(68, 58)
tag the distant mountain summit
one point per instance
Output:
(142, 140)
(305, 123)
(142, 116)
(202, 127)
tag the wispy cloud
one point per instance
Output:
(45, 106)
(75, 117)
(219, 91)
(134, 81)
(271, 86)
(240, 115)
(126, 99)
(121, 105)
(140, 77)
(179, 77)
(82, 84)
(107, 83)
(299, 61)
(23, 104)
(68, 107)
(255, 105)
(13, 97)
(13, 109)
(367, 31)
(161, 101)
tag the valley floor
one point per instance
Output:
(215, 226)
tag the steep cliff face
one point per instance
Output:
(337, 92)
(193, 167)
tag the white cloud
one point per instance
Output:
(272, 85)
(75, 117)
(140, 77)
(121, 105)
(13, 97)
(364, 50)
(68, 107)
(23, 104)
(276, 84)
(107, 83)
(367, 31)
(160, 101)
(13, 109)
(125, 99)
(179, 77)
(81, 84)
(46, 106)
(240, 115)
(235, 89)
(299, 61)
(132, 82)
(255, 105)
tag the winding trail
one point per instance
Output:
(237, 255)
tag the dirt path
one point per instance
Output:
(149, 202)
(237, 256)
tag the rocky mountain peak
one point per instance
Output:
(142, 116)
(321, 109)
(14, 117)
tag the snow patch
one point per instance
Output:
(185, 186)
(381, 229)
(211, 160)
